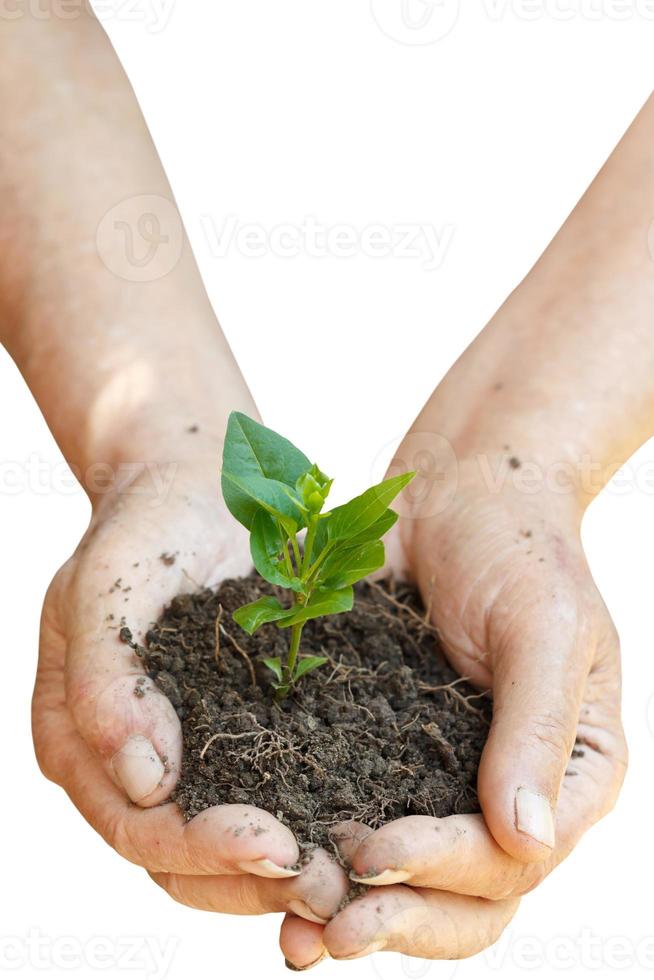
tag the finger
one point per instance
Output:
(459, 853)
(416, 922)
(347, 838)
(314, 895)
(539, 673)
(454, 854)
(301, 943)
(121, 714)
(229, 839)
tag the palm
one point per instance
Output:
(134, 558)
(85, 708)
(507, 585)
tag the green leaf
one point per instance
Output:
(253, 454)
(377, 530)
(267, 542)
(307, 664)
(346, 565)
(275, 664)
(255, 614)
(245, 496)
(253, 450)
(323, 602)
(362, 512)
(372, 533)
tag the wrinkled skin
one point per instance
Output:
(84, 706)
(507, 585)
(535, 632)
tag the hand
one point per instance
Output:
(506, 581)
(118, 755)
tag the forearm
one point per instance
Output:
(116, 364)
(564, 373)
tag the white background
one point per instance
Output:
(271, 112)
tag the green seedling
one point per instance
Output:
(275, 492)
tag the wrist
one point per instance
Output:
(143, 427)
(522, 464)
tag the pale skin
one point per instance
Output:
(563, 374)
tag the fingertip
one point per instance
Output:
(134, 728)
(347, 837)
(139, 769)
(384, 856)
(247, 839)
(301, 943)
(522, 821)
(265, 868)
(360, 928)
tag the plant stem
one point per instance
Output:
(289, 563)
(296, 633)
(308, 546)
(319, 560)
(296, 553)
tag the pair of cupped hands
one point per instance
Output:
(505, 580)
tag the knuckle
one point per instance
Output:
(491, 923)
(247, 894)
(46, 755)
(117, 832)
(174, 885)
(550, 732)
(529, 878)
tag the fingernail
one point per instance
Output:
(387, 877)
(368, 951)
(533, 816)
(309, 966)
(303, 910)
(138, 767)
(265, 868)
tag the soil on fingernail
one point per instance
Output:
(384, 730)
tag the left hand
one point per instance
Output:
(518, 613)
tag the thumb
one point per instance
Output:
(539, 674)
(121, 714)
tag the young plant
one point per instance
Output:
(275, 492)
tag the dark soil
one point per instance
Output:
(384, 730)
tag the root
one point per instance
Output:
(461, 698)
